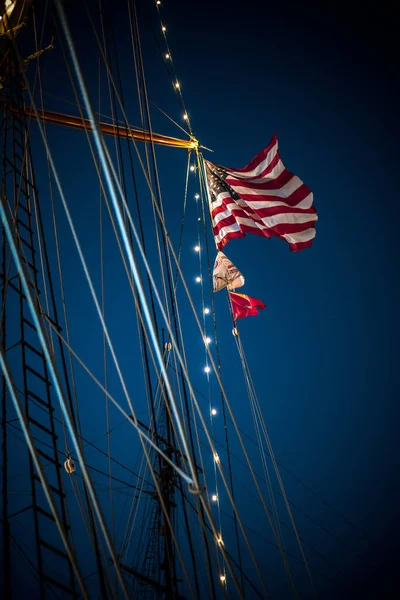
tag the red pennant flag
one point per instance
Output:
(245, 306)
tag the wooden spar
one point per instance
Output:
(107, 128)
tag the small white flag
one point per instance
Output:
(226, 274)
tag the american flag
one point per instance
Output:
(263, 198)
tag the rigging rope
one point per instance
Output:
(60, 189)
(257, 410)
(74, 413)
(205, 311)
(51, 364)
(25, 428)
(31, 565)
(134, 294)
(204, 199)
(172, 251)
(299, 480)
(128, 418)
(105, 360)
(113, 181)
(107, 426)
(115, 190)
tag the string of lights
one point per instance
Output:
(207, 340)
(168, 59)
(169, 63)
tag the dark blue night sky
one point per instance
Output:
(323, 354)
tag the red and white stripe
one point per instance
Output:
(273, 202)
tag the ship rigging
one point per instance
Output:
(149, 508)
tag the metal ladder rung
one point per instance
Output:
(38, 399)
(24, 226)
(31, 325)
(19, 144)
(25, 179)
(48, 515)
(33, 286)
(17, 156)
(24, 208)
(43, 428)
(22, 191)
(53, 549)
(17, 125)
(38, 375)
(56, 325)
(60, 585)
(29, 264)
(47, 457)
(27, 244)
(44, 512)
(28, 345)
(53, 489)
(14, 287)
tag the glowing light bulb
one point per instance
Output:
(197, 248)
(214, 498)
(163, 28)
(220, 541)
(207, 369)
(185, 117)
(199, 219)
(197, 196)
(207, 341)
(214, 412)
(177, 85)
(158, 2)
(206, 311)
(167, 56)
(198, 279)
(216, 458)
(222, 578)
(192, 168)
